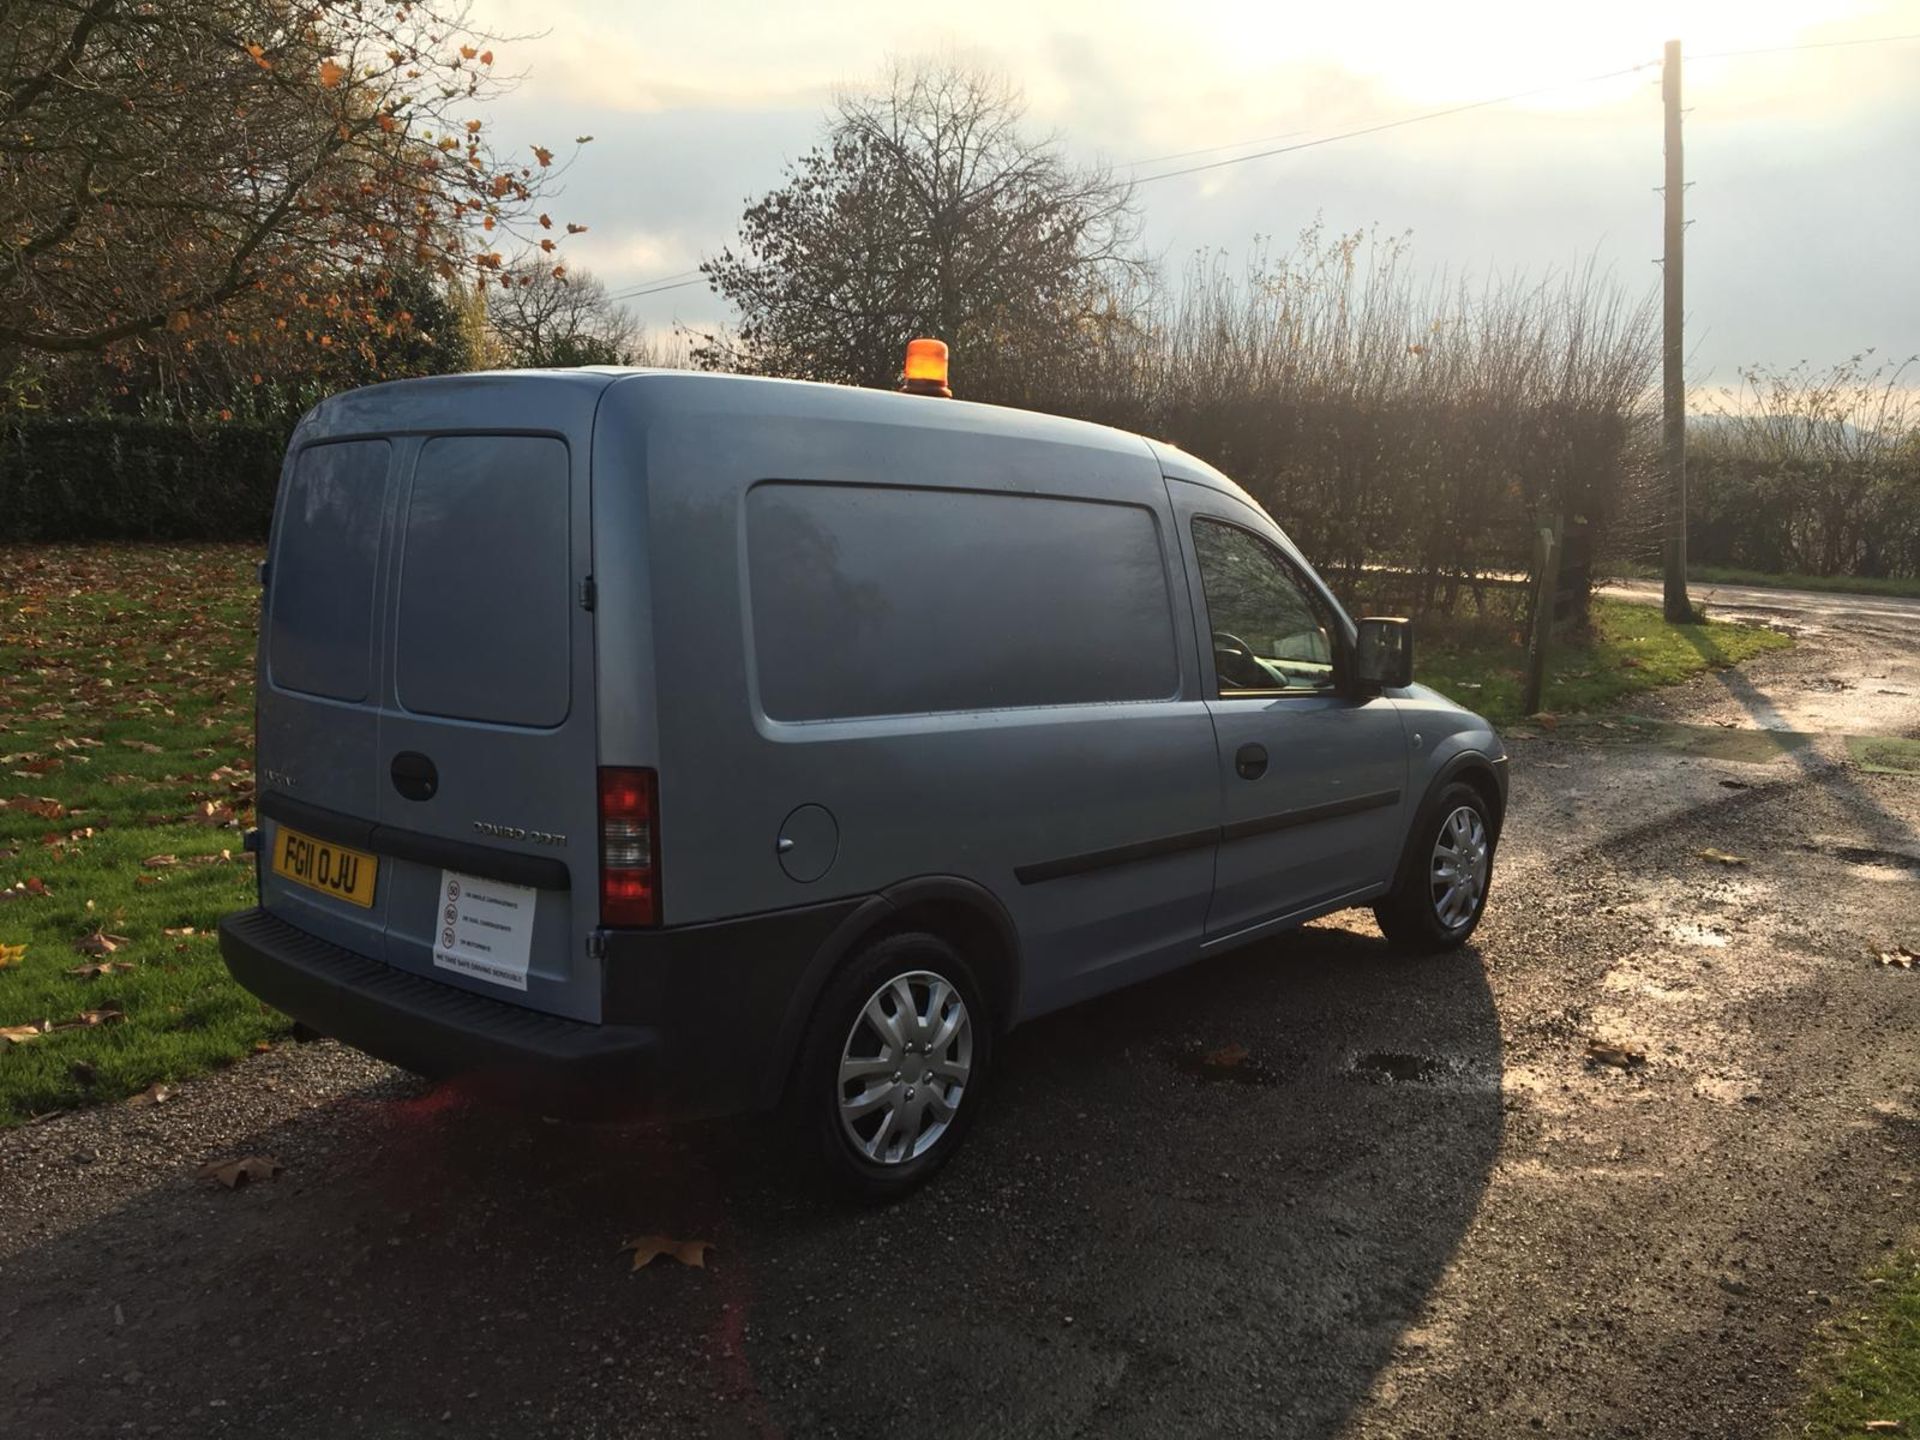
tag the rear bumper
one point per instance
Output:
(437, 1030)
(701, 1019)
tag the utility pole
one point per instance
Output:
(1679, 608)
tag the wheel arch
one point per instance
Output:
(1470, 767)
(959, 910)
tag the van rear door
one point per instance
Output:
(427, 700)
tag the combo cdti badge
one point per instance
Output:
(695, 743)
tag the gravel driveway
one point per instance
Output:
(1416, 1209)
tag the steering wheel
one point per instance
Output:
(1233, 659)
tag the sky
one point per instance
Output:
(1804, 165)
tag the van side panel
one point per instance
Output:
(1092, 823)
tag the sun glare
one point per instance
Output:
(1439, 55)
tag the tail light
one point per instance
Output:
(629, 847)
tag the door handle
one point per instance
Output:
(1250, 761)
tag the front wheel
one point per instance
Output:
(893, 1064)
(1441, 891)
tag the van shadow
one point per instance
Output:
(1215, 1203)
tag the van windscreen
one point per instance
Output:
(320, 595)
(485, 581)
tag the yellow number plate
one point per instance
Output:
(321, 865)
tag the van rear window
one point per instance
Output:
(485, 581)
(897, 601)
(320, 599)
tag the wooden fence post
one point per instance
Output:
(1546, 583)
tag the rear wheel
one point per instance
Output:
(1442, 889)
(892, 1067)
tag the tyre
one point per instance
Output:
(1441, 890)
(892, 1066)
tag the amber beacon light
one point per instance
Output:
(926, 371)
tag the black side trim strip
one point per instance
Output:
(1310, 815)
(1118, 855)
(540, 871)
(1195, 839)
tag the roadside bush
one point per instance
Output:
(1412, 438)
(1809, 473)
(124, 478)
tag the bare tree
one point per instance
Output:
(161, 159)
(549, 320)
(928, 209)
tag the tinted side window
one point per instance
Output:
(882, 601)
(485, 583)
(320, 631)
(1270, 633)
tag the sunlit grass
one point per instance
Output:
(1629, 648)
(1873, 1371)
(126, 778)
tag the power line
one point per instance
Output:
(658, 283)
(1395, 124)
(1809, 45)
(1212, 149)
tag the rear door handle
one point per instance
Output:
(1250, 761)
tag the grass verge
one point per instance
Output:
(1629, 648)
(126, 778)
(1873, 1372)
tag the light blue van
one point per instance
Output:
(689, 743)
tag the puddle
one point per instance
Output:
(1884, 756)
(1709, 742)
(1396, 1067)
(1898, 862)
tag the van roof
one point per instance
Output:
(735, 397)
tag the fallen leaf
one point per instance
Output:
(145, 747)
(11, 955)
(235, 1173)
(1736, 784)
(154, 1094)
(1226, 1057)
(183, 930)
(1602, 1052)
(43, 809)
(93, 1019)
(98, 942)
(687, 1252)
(1900, 955)
(1546, 718)
(1721, 857)
(99, 968)
(1884, 1427)
(160, 862)
(21, 1034)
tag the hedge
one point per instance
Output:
(124, 478)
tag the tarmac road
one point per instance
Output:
(1416, 1209)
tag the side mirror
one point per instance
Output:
(1383, 654)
